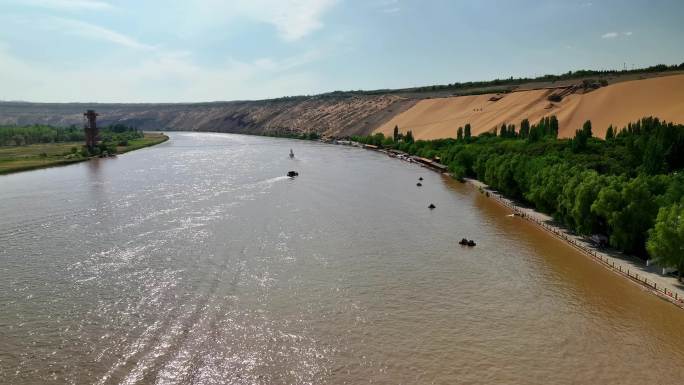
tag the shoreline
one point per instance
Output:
(629, 267)
(65, 162)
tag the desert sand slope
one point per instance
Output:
(617, 104)
(622, 103)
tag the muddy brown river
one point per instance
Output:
(198, 262)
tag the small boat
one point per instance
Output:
(431, 206)
(419, 184)
(292, 174)
(291, 153)
(466, 242)
(421, 178)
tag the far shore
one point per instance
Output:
(647, 276)
(35, 156)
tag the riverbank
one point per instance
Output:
(648, 276)
(23, 158)
(636, 270)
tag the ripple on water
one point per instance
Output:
(199, 262)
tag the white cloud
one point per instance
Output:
(155, 77)
(69, 5)
(142, 72)
(613, 35)
(90, 31)
(387, 6)
(294, 19)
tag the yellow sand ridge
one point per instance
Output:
(616, 104)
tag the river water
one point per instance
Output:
(197, 262)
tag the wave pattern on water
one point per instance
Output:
(199, 262)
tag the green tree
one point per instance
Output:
(524, 128)
(579, 142)
(409, 137)
(654, 156)
(466, 131)
(566, 200)
(587, 192)
(378, 138)
(610, 133)
(396, 133)
(666, 239)
(629, 208)
(586, 129)
(459, 133)
(547, 186)
(553, 126)
(511, 131)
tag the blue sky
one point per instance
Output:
(207, 50)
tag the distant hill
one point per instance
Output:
(340, 116)
(435, 111)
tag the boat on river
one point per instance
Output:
(466, 242)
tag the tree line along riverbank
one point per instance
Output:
(25, 148)
(625, 189)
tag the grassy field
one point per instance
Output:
(150, 139)
(22, 158)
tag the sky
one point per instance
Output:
(210, 50)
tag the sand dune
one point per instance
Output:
(617, 104)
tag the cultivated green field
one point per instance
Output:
(22, 158)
